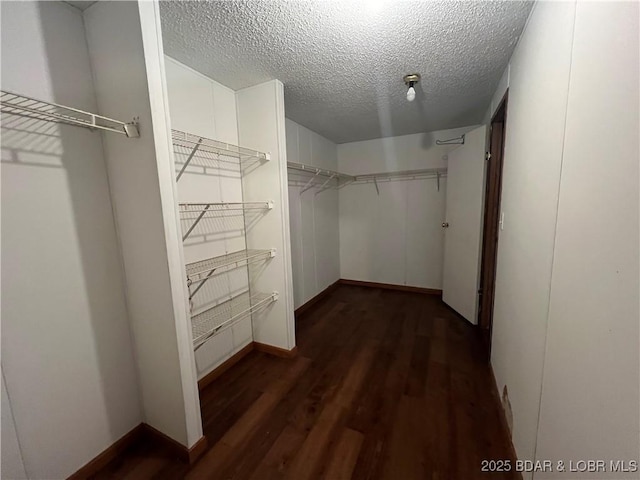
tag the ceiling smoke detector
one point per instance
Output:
(410, 80)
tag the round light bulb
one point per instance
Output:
(411, 94)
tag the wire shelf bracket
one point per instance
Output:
(23, 106)
(201, 271)
(201, 209)
(225, 314)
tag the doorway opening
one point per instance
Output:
(493, 190)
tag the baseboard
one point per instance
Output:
(111, 452)
(198, 450)
(306, 306)
(276, 351)
(503, 418)
(185, 454)
(140, 433)
(389, 286)
(224, 366)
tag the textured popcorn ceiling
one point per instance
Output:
(342, 62)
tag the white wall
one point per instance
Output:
(66, 346)
(538, 82)
(201, 106)
(261, 126)
(315, 251)
(12, 465)
(129, 76)
(566, 307)
(590, 398)
(395, 237)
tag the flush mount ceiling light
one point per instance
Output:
(410, 80)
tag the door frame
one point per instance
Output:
(491, 223)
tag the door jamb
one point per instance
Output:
(491, 222)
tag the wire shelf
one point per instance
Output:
(208, 323)
(21, 105)
(188, 210)
(408, 174)
(198, 211)
(301, 167)
(196, 151)
(202, 270)
(319, 177)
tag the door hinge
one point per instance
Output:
(487, 156)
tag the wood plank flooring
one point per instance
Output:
(387, 385)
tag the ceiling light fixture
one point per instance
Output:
(410, 81)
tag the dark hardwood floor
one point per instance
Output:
(387, 384)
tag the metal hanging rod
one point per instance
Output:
(452, 141)
(21, 105)
(201, 271)
(201, 151)
(197, 211)
(210, 322)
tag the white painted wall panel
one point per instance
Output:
(313, 216)
(423, 268)
(590, 397)
(295, 222)
(12, 466)
(190, 99)
(539, 79)
(308, 223)
(395, 237)
(66, 346)
(391, 235)
(358, 229)
(140, 174)
(327, 247)
(261, 125)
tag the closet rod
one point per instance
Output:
(23, 106)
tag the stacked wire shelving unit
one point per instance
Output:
(201, 155)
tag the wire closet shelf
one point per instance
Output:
(318, 176)
(193, 150)
(23, 106)
(208, 323)
(198, 211)
(199, 272)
